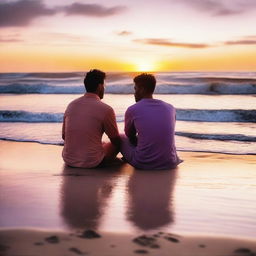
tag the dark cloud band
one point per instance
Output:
(92, 10)
(23, 12)
(220, 7)
(168, 43)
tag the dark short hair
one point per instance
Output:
(92, 79)
(146, 81)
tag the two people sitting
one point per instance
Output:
(148, 142)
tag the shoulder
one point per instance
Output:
(132, 108)
(167, 105)
(105, 107)
(75, 102)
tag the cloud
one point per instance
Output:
(247, 40)
(168, 43)
(124, 33)
(241, 42)
(66, 37)
(220, 7)
(252, 37)
(10, 40)
(21, 13)
(92, 10)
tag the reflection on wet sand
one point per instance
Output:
(84, 195)
(150, 198)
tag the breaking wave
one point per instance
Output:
(30, 117)
(122, 83)
(197, 136)
(211, 115)
(222, 137)
(182, 115)
(43, 88)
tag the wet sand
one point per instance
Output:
(208, 202)
(36, 242)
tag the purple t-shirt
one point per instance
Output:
(154, 123)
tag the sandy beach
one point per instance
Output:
(35, 242)
(204, 207)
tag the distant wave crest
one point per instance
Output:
(122, 83)
(40, 88)
(41, 75)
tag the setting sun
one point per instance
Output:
(145, 65)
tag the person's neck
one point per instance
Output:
(92, 93)
(148, 97)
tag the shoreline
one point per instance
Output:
(178, 150)
(42, 153)
(88, 242)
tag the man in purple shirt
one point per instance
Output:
(149, 127)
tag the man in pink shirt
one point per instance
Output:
(85, 120)
(149, 129)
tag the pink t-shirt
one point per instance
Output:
(85, 121)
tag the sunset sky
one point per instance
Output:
(134, 35)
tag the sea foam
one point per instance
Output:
(233, 115)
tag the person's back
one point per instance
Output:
(85, 121)
(155, 122)
(149, 127)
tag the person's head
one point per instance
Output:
(144, 86)
(94, 82)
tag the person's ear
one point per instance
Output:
(143, 91)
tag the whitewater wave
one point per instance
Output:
(35, 117)
(211, 79)
(211, 115)
(197, 136)
(30, 117)
(41, 141)
(122, 83)
(111, 76)
(40, 88)
(127, 88)
(182, 115)
(42, 75)
(222, 137)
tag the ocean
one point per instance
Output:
(207, 194)
(216, 111)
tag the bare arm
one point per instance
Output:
(110, 128)
(63, 128)
(129, 129)
(116, 141)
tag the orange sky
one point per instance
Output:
(114, 35)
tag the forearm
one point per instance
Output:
(63, 131)
(133, 139)
(116, 142)
(130, 132)
(63, 127)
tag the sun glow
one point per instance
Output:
(145, 65)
